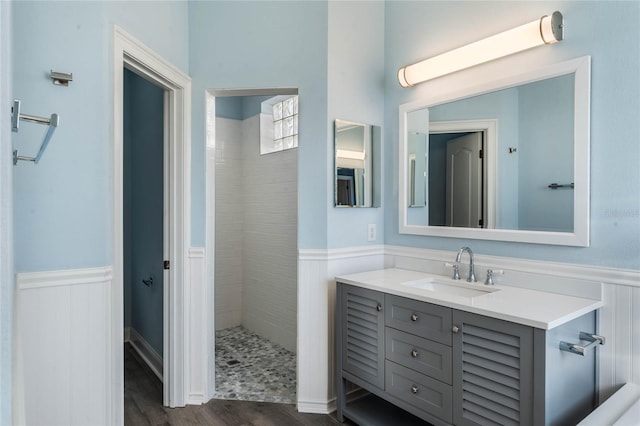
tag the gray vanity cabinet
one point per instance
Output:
(362, 321)
(425, 364)
(493, 381)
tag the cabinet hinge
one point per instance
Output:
(166, 264)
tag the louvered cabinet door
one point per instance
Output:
(492, 371)
(363, 334)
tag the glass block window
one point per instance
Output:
(285, 124)
(279, 124)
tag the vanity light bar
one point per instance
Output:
(546, 30)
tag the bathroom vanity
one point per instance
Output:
(415, 348)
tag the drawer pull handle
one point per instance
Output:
(379, 307)
(455, 329)
(414, 389)
(414, 353)
(414, 317)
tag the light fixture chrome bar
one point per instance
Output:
(546, 30)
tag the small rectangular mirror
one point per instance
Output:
(356, 164)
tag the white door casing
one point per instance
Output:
(131, 54)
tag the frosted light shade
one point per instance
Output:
(546, 30)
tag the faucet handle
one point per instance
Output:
(456, 270)
(490, 274)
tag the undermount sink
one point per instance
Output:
(451, 288)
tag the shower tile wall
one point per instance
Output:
(270, 273)
(229, 206)
(256, 234)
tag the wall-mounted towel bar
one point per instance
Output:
(16, 116)
(558, 185)
(580, 349)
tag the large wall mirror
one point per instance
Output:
(506, 160)
(356, 164)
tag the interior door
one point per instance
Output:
(464, 181)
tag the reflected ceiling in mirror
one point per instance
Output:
(507, 160)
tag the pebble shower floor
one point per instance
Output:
(251, 368)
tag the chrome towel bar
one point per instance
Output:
(16, 116)
(578, 349)
(561, 185)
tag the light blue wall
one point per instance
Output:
(355, 90)
(545, 154)
(229, 107)
(6, 217)
(239, 107)
(417, 30)
(265, 45)
(63, 206)
(143, 208)
(252, 105)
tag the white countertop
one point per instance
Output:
(529, 307)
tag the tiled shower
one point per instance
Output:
(255, 259)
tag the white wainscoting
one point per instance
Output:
(197, 367)
(62, 344)
(619, 360)
(620, 323)
(62, 339)
(316, 298)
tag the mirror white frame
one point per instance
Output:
(581, 68)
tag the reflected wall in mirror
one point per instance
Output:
(507, 160)
(355, 164)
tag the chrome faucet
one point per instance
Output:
(472, 275)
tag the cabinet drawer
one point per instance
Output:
(424, 393)
(420, 318)
(422, 355)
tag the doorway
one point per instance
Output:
(131, 54)
(255, 166)
(145, 218)
(456, 179)
(462, 169)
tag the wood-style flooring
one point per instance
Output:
(143, 405)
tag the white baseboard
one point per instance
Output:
(317, 407)
(196, 399)
(146, 352)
